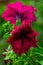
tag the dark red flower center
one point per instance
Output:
(23, 34)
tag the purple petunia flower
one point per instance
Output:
(19, 11)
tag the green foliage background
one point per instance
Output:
(38, 25)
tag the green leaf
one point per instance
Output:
(26, 63)
(7, 27)
(9, 47)
(18, 22)
(6, 35)
(7, 57)
(41, 62)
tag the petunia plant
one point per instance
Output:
(23, 49)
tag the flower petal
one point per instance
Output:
(29, 16)
(28, 13)
(9, 16)
(17, 6)
(26, 8)
(16, 46)
(25, 46)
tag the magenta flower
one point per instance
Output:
(23, 38)
(19, 11)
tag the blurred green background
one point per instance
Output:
(38, 25)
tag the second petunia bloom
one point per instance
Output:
(19, 11)
(23, 38)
